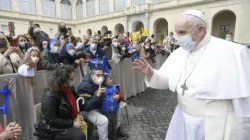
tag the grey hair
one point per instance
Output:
(195, 21)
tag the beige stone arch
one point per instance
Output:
(223, 22)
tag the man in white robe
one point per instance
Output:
(212, 79)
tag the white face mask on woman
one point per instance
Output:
(54, 49)
(71, 52)
(186, 41)
(34, 59)
(115, 44)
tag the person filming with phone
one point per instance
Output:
(10, 57)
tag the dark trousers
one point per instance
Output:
(112, 127)
(73, 134)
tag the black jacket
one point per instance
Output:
(56, 115)
(87, 89)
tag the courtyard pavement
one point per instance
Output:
(149, 114)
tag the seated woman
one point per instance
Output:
(51, 55)
(59, 109)
(68, 55)
(32, 63)
(11, 57)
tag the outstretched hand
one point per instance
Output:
(142, 65)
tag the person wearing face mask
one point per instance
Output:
(92, 90)
(229, 37)
(146, 52)
(37, 34)
(68, 56)
(59, 109)
(93, 49)
(23, 43)
(123, 51)
(112, 51)
(134, 50)
(43, 45)
(62, 30)
(51, 56)
(32, 63)
(11, 57)
(213, 92)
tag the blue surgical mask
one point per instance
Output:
(72, 83)
(186, 41)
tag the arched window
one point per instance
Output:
(5, 5)
(27, 6)
(49, 8)
(104, 6)
(66, 9)
(90, 8)
(79, 9)
(120, 4)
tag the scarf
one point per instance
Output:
(72, 100)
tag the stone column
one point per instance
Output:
(84, 8)
(111, 5)
(39, 7)
(97, 7)
(126, 24)
(15, 6)
(73, 9)
(58, 8)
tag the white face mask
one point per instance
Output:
(146, 47)
(79, 44)
(37, 30)
(186, 41)
(71, 52)
(34, 59)
(134, 46)
(93, 46)
(123, 49)
(98, 80)
(229, 39)
(115, 44)
(44, 46)
(22, 44)
(153, 47)
(54, 49)
(72, 83)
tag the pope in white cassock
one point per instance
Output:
(212, 79)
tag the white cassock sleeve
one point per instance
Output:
(25, 71)
(242, 112)
(160, 78)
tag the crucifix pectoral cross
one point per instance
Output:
(184, 88)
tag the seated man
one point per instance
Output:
(91, 90)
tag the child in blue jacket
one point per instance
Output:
(110, 105)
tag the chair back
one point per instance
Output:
(37, 109)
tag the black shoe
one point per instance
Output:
(121, 134)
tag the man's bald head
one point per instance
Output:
(193, 24)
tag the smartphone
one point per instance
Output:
(108, 33)
(99, 32)
(11, 28)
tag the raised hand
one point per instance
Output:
(142, 65)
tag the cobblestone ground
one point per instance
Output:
(149, 115)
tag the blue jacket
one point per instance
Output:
(99, 52)
(87, 89)
(108, 103)
(102, 62)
